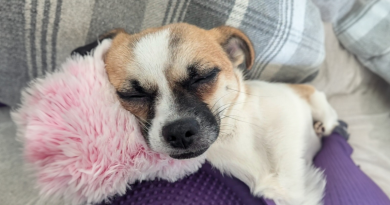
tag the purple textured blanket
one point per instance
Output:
(346, 184)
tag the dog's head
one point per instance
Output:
(178, 81)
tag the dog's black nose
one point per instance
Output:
(181, 133)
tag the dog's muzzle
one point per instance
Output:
(183, 135)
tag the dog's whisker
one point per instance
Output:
(226, 106)
(144, 127)
(219, 100)
(144, 122)
(222, 106)
(233, 103)
(247, 93)
(242, 121)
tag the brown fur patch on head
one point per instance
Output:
(120, 55)
(304, 91)
(111, 34)
(193, 45)
(195, 48)
(117, 58)
(140, 110)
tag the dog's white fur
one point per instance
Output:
(151, 54)
(269, 142)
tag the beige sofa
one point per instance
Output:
(362, 99)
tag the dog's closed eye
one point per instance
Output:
(133, 95)
(136, 94)
(198, 80)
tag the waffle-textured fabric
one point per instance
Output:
(346, 184)
(207, 186)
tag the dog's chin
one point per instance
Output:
(188, 155)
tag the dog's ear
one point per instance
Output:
(236, 44)
(84, 50)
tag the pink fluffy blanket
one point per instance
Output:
(81, 144)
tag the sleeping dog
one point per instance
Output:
(185, 86)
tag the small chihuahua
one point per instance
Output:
(185, 87)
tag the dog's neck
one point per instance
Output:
(237, 114)
(241, 120)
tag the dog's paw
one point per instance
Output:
(319, 129)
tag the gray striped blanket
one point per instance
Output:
(365, 31)
(36, 36)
